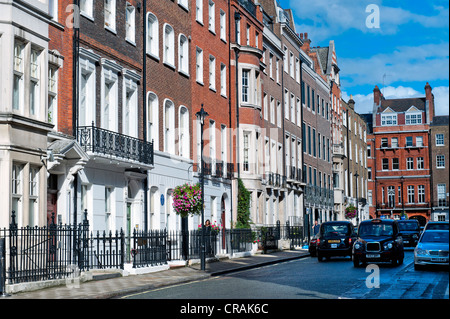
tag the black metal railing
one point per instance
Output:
(56, 251)
(102, 141)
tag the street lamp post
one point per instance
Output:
(202, 114)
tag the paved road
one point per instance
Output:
(308, 279)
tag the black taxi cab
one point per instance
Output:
(335, 238)
(379, 240)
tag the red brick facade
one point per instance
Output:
(401, 168)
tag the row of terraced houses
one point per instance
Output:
(98, 112)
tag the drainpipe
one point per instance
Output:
(230, 157)
(75, 68)
(144, 104)
(303, 141)
(237, 17)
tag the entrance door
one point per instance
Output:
(51, 206)
(222, 220)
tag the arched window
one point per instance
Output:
(183, 132)
(152, 35)
(169, 50)
(169, 127)
(153, 119)
(183, 54)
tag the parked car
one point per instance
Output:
(410, 232)
(379, 240)
(335, 238)
(432, 249)
(436, 225)
(312, 246)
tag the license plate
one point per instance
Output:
(334, 241)
(333, 245)
(439, 259)
(372, 255)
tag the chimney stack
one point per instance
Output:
(429, 104)
(376, 96)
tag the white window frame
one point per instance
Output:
(130, 23)
(153, 119)
(87, 112)
(86, 8)
(212, 16)
(440, 161)
(223, 79)
(439, 138)
(35, 75)
(110, 15)
(130, 107)
(169, 126)
(212, 73)
(413, 118)
(184, 4)
(52, 109)
(409, 163)
(109, 110)
(199, 11)
(388, 119)
(152, 35)
(223, 25)
(169, 45)
(183, 54)
(18, 76)
(183, 132)
(199, 65)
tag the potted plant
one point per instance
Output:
(350, 212)
(187, 200)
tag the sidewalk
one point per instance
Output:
(113, 287)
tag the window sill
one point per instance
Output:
(154, 57)
(169, 65)
(110, 30)
(130, 42)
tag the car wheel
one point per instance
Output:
(400, 260)
(355, 261)
(319, 257)
(418, 267)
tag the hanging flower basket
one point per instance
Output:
(187, 200)
(350, 212)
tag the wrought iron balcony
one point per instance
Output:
(101, 141)
(249, 6)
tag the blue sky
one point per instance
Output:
(410, 47)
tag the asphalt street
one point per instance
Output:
(309, 279)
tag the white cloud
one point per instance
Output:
(441, 97)
(405, 63)
(323, 19)
(364, 103)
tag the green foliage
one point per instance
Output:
(243, 206)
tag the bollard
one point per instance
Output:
(3, 268)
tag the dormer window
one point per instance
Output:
(388, 119)
(413, 118)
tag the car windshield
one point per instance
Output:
(408, 226)
(434, 237)
(334, 230)
(371, 229)
(443, 226)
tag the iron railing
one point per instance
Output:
(56, 251)
(102, 141)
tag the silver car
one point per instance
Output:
(432, 249)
